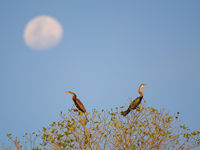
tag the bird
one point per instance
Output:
(77, 103)
(136, 102)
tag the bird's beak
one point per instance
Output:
(145, 85)
(66, 91)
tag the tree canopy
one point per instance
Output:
(146, 129)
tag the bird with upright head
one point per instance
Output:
(77, 103)
(136, 102)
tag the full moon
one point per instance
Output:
(43, 33)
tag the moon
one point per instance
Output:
(42, 33)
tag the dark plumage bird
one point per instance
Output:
(136, 102)
(77, 102)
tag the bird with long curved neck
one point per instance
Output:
(77, 103)
(136, 102)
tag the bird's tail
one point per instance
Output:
(124, 113)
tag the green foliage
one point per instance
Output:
(144, 129)
(28, 143)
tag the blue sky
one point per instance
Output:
(108, 49)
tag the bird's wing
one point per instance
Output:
(135, 103)
(79, 105)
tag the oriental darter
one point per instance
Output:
(78, 103)
(136, 102)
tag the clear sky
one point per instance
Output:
(108, 49)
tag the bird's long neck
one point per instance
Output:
(74, 97)
(140, 92)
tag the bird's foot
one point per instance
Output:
(75, 110)
(137, 108)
